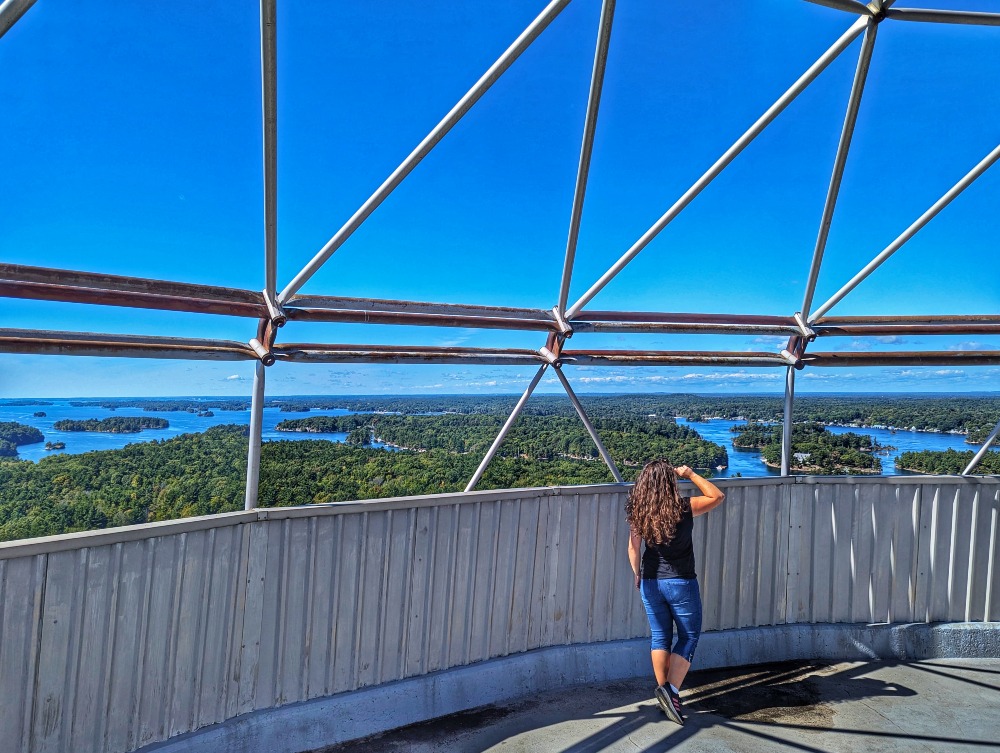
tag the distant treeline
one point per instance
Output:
(166, 405)
(973, 414)
(116, 425)
(24, 402)
(815, 449)
(631, 440)
(948, 462)
(201, 474)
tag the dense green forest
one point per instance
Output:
(948, 462)
(201, 474)
(166, 405)
(814, 448)
(116, 425)
(13, 434)
(631, 441)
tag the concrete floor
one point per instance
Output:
(941, 705)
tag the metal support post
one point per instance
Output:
(590, 427)
(840, 161)
(424, 147)
(772, 112)
(926, 217)
(786, 428)
(269, 84)
(256, 430)
(982, 451)
(11, 12)
(589, 128)
(504, 429)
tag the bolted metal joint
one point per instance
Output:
(877, 11)
(277, 314)
(565, 328)
(792, 360)
(807, 332)
(266, 356)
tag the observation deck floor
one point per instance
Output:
(945, 705)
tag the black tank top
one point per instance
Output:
(675, 558)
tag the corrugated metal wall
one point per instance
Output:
(113, 640)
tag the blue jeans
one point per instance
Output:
(669, 601)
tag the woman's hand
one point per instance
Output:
(683, 471)
(637, 581)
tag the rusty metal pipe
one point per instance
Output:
(43, 342)
(73, 278)
(67, 294)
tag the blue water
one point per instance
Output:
(749, 462)
(181, 422)
(743, 462)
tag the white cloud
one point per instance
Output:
(949, 372)
(234, 378)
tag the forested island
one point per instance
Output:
(630, 440)
(117, 425)
(815, 449)
(13, 435)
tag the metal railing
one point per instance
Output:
(112, 640)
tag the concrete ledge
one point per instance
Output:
(348, 716)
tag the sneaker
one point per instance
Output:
(670, 702)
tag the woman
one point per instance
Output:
(664, 574)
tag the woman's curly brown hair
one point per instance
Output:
(654, 506)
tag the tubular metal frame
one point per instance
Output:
(272, 310)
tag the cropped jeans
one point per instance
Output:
(668, 601)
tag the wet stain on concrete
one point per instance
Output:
(771, 693)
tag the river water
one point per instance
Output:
(743, 462)
(749, 462)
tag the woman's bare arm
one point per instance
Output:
(635, 554)
(711, 496)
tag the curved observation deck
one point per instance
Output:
(287, 629)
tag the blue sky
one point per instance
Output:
(134, 134)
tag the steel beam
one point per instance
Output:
(905, 358)
(586, 150)
(99, 281)
(944, 16)
(912, 230)
(840, 161)
(411, 354)
(11, 12)
(505, 428)
(772, 112)
(668, 358)
(590, 427)
(269, 106)
(256, 431)
(982, 451)
(44, 342)
(44, 292)
(424, 147)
